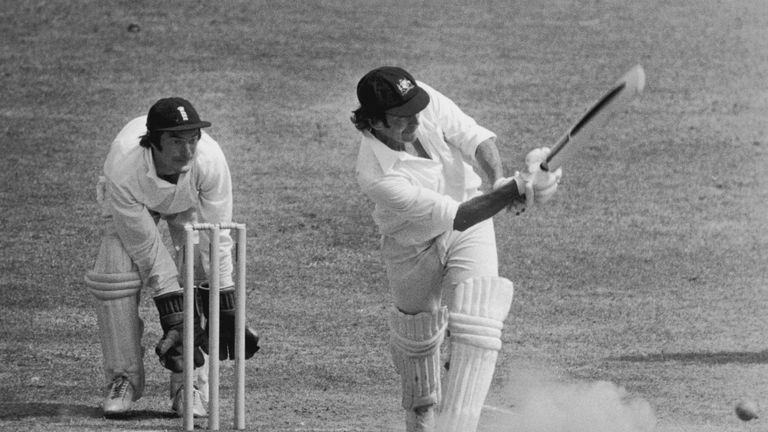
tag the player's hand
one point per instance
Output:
(534, 159)
(227, 324)
(543, 184)
(170, 348)
(517, 206)
(227, 337)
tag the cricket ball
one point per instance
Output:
(746, 410)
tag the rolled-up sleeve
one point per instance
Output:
(458, 128)
(408, 212)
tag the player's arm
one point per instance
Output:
(533, 186)
(216, 206)
(425, 212)
(489, 160)
(142, 240)
(214, 186)
(487, 205)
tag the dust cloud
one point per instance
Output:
(556, 406)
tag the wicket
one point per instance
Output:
(238, 258)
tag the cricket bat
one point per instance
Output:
(597, 116)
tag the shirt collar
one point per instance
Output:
(385, 155)
(151, 171)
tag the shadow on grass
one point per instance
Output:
(721, 357)
(21, 410)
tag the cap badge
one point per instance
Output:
(404, 86)
(183, 113)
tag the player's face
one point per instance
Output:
(401, 129)
(177, 150)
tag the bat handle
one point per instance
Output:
(544, 166)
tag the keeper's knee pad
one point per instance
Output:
(415, 343)
(115, 284)
(477, 315)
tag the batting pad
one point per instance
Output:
(415, 342)
(476, 319)
(115, 284)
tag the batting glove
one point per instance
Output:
(543, 184)
(522, 188)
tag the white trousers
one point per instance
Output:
(420, 275)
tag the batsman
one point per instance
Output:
(161, 166)
(415, 162)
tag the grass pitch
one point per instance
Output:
(640, 291)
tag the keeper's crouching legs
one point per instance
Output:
(476, 319)
(115, 284)
(415, 343)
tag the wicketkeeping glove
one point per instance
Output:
(227, 324)
(170, 348)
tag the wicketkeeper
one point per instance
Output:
(160, 166)
(415, 163)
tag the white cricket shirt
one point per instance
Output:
(134, 189)
(416, 199)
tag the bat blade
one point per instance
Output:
(597, 116)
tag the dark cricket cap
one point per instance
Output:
(391, 90)
(173, 114)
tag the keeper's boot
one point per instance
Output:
(200, 400)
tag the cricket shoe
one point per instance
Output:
(198, 405)
(120, 397)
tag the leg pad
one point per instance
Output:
(477, 317)
(415, 343)
(115, 284)
(120, 328)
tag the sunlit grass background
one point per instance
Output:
(647, 271)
